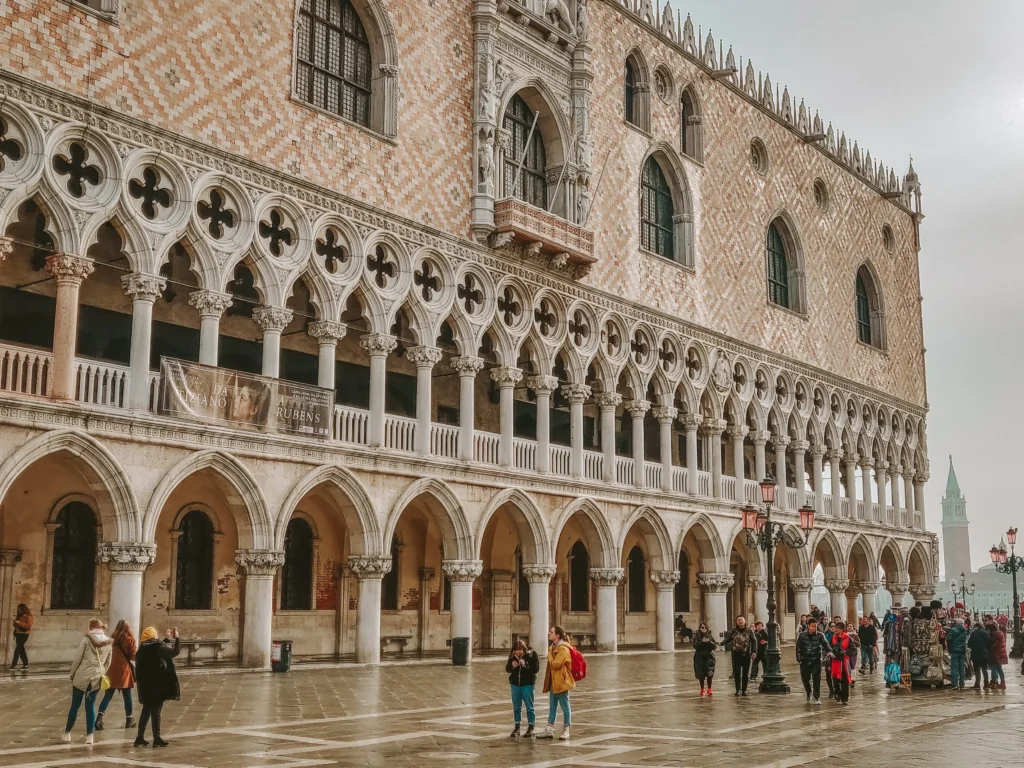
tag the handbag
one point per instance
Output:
(104, 680)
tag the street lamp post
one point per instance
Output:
(766, 534)
(1011, 564)
(963, 591)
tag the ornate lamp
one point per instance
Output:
(807, 517)
(750, 513)
(1011, 536)
(768, 490)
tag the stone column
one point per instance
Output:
(909, 494)
(716, 612)
(539, 577)
(852, 593)
(781, 441)
(799, 464)
(127, 562)
(506, 379)
(760, 440)
(817, 473)
(426, 576)
(919, 480)
(211, 305)
(577, 395)
(341, 619)
(369, 570)
(869, 589)
(835, 458)
(665, 585)
(461, 574)
(327, 334)
(424, 358)
(608, 402)
(881, 475)
(801, 596)
(714, 428)
(898, 590)
(690, 423)
(922, 593)
(666, 416)
(895, 471)
(837, 596)
(852, 459)
(542, 387)
(144, 290)
(9, 558)
(378, 346)
(637, 410)
(760, 587)
(260, 566)
(607, 581)
(866, 463)
(271, 320)
(738, 432)
(69, 271)
(467, 368)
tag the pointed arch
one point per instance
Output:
(444, 507)
(602, 548)
(786, 265)
(862, 562)
(889, 558)
(712, 552)
(533, 533)
(666, 206)
(636, 90)
(691, 128)
(351, 500)
(655, 535)
(829, 552)
(870, 306)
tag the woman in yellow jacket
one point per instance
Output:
(558, 682)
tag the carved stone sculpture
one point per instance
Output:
(558, 12)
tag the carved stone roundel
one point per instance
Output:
(721, 376)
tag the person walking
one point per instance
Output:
(121, 673)
(22, 629)
(704, 658)
(522, 667)
(743, 644)
(811, 650)
(841, 663)
(977, 644)
(830, 632)
(88, 668)
(853, 653)
(157, 681)
(558, 681)
(868, 634)
(997, 656)
(956, 644)
(761, 650)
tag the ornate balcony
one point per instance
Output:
(545, 233)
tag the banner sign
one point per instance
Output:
(221, 396)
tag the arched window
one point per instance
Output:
(523, 585)
(579, 578)
(391, 583)
(778, 268)
(656, 211)
(870, 328)
(297, 572)
(690, 127)
(73, 573)
(193, 580)
(863, 310)
(629, 102)
(530, 184)
(636, 96)
(683, 585)
(637, 584)
(333, 70)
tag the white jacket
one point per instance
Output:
(91, 661)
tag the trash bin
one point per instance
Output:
(460, 651)
(281, 655)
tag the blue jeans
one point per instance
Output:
(523, 694)
(77, 694)
(126, 694)
(958, 669)
(867, 657)
(556, 700)
(997, 673)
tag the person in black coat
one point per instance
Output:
(762, 649)
(522, 667)
(704, 658)
(740, 639)
(156, 680)
(977, 644)
(811, 649)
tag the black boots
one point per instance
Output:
(99, 722)
(158, 742)
(140, 742)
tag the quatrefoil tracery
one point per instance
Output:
(9, 148)
(275, 232)
(332, 250)
(578, 328)
(78, 169)
(217, 213)
(508, 306)
(471, 296)
(428, 282)
(666, 355)
(382, 268)
(150, 192)
(544, 317)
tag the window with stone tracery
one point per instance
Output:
(73, 570)
(297, 571)
(656, 211)
(193, 580)
(529, 184)
(778, 268)
(868, 307)
(863, 311)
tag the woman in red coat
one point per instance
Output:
(997, 655)
(840, 663)
(121, 673)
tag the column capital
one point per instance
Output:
(665, 414)
(837, 585)
(836, 454)
(665, 579)
(143, 287)
(607, 577)
(462, 570)
(715, 426)
(608, 399)
(761, 585)
(908, 474)
(542, 385)
(576, 393)
(126, 556)
(506, 376)
(327, 331)
(900, 588)
(467, 365)
(866, 462)
(6, 247)
(539, 573)
(781, 441)
(370, 566)
(921, 477)
(853, 591)
(426, 574)
(271, 318)
(691, 421)
(881, 466)
(760, 437)
(210, 303)
(638, 408)
(800, 585)
(716, 582)
(69, 268)
(378, 344)
(423, 357)
(922, 592)
(799, 446)
(895, 470)
(738, 431)
(259, 562)
(869, 587)
(852, 458)
(9, 557)
(818, 451)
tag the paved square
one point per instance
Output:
(632, 710)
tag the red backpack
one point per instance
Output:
(577, 664)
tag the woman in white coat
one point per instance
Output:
(88, 667)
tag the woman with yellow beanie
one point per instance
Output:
(156, 679)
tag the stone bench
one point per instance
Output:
(387, 642)
(192, 647)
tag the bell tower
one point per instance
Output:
(956, 541)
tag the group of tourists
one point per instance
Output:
(975, 651)
(565, 666)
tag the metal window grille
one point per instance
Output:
(778, 269)
(629, 102)
(74, 558)
(333, 70)
(531, 186)
(863, 311)
(656, 211)
(297, 572)
(193, 584)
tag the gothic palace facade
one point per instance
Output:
(571, 279)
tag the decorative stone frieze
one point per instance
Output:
(462, 570)
(126, 556)
(922, 592)
(259, 562)
(607, 577)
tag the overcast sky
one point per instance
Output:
(943, 81)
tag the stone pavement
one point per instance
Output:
(639, 710)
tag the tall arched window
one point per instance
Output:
(579, 578)
(778, 268)
(391, 583)
(870, 328)
(690, 127)
(863, 310)
(529, 185)
(683, 585)
(656, 211)
(73, 573)
(193, 580)
(333, 71)
(629, 98)
(637, 584)
(297, 572)
(523, 584)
